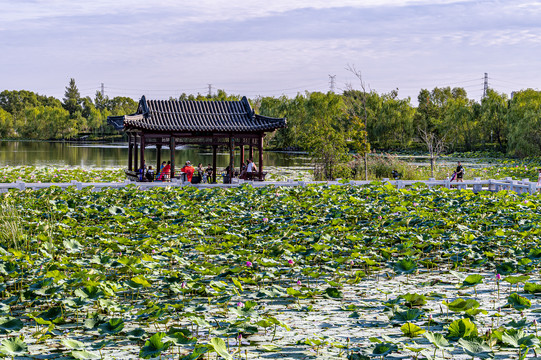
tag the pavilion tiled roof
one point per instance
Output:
(196, 116)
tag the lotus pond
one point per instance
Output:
(300, 273)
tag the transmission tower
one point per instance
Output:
(210, 90)
(485, 88)
(332, 78)
(102, 90)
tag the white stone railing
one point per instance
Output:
(476, 185)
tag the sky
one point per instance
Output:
(163, 48)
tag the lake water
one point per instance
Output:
(115, 155)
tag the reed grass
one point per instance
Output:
(12, 234)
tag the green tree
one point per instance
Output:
(72, 98)
(393, 124)
(294, 110)
(100, 101)
(494, 108)
(459, 124)
(6, 124)
(326, 143)
(524, 123)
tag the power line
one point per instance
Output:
(155, 90)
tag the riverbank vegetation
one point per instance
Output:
(328, 272)
(495, 123)
(336, 129)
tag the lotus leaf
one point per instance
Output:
(532, 288)
(219, 346)
(405, 266)
(476, 348)
(462, 328)
(8, 325)
(383, 349)
(13, 347)
(154, 346)
(518, 302)
(84, 355)
(411, 330)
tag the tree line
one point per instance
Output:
(353, 121)
(512, 126)
(28, 115)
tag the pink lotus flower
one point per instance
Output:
(498, 277)
(290, 262)
(415, 204)
(265, 219)
(240, 304)
(299, 282)
(249, 263)
(183, 285)
(379, 217)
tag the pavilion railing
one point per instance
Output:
(476, 185)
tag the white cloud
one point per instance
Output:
(270, 45)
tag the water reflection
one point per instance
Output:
(95, 155)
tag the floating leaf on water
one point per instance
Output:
(271, 348)
(476, 348)
(72, 344)
(84, 355)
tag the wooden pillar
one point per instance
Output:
(158, 158)
(135, 153)
(214, 150)
(251, 151)
(142, 165)
(172, 146)
(261, 157)
(130, 153)
(241, 154)
(231, 158)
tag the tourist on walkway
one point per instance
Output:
(243, 168)
(165, 174)
(459, 173)
(208, 173)
(539, 180)
(251, 168)
(150, 174)
(188, 169)
(161, 169)
(201, 172)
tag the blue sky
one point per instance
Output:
(165, 47)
